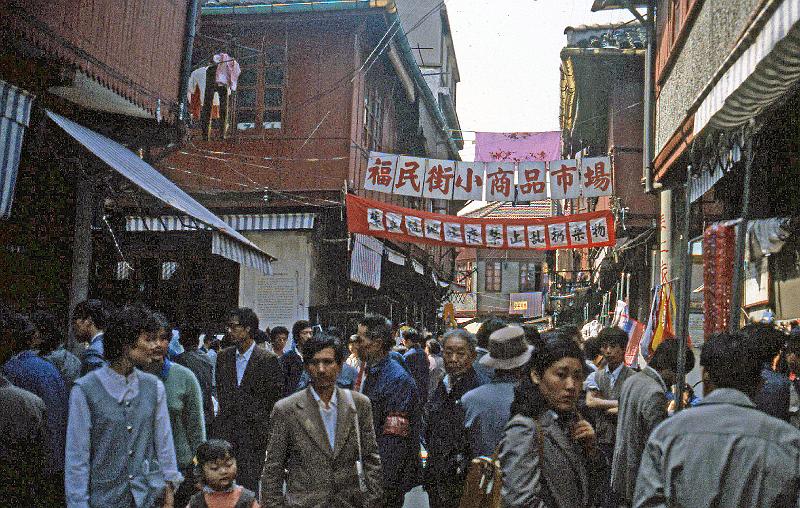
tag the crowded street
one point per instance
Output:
(399, 254)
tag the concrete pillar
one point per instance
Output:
(665, 230)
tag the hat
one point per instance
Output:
(508, 349)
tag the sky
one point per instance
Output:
(508, 59)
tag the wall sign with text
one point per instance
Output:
(383, 220)
(522, 181)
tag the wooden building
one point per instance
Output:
(102, 83)
(321, 85)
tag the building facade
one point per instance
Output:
(114, 67)
(322, 84)
(602, 87)
(512, 284)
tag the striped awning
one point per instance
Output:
(15, 111)
(239, 222)
(365, 261)
(226, 241)
(761, 69)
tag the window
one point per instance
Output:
(671, 31)
(260, 94)
(529, 277)
(494, 276)
(373, 119)
(465, 271)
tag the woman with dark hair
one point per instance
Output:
(50, 338)
(549, 451)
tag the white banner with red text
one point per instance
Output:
(521, 182)
(383, 220)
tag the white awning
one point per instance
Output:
(15, 111)
(763, 67)
(239, 222)
(226, 242)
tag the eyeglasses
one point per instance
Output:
(231, 326)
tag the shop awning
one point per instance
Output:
(15, 110)
(761, 68)
(239, 222)
(226, 241)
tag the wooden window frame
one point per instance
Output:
(680, 15)
(493, 279)
(373, 119)
(529, 278)
(263, 64)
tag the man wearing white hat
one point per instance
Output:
(488, 406)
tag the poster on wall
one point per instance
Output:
(369, 217)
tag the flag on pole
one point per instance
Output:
(660, 324)
(635, 331)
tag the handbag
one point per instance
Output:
(362, 477)
(484, 483)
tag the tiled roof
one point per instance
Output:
(534, 210)
(618, 36)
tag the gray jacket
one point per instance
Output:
(316, 475)
(570, 477)
(642, 406)
(722, 453)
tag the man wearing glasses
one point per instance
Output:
(249, 382)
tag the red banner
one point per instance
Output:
(580, 231)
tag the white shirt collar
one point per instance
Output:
(246, 354)
(118, 386)
(319, 399)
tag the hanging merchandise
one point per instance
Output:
(503, 180)
(379, 219)
(719, 241)
(660, 324)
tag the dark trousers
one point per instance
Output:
(250, 464)
(445, 495)
(394, 499)
(187, 488)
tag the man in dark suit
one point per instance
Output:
(249, 382)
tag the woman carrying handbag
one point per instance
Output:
(548, 455)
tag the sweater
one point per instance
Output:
(185, 405)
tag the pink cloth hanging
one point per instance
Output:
(228, 71)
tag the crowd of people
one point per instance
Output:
(149, 414)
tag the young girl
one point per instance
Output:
(216, 468)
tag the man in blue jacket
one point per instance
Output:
(395, 408)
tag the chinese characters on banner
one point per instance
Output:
(564, 180)
(375, 218)
(522, 182)
(531, 181)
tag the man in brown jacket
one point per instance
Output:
(322, 442)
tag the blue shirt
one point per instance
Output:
(242, 360)
(28, 371)
(591, 384)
